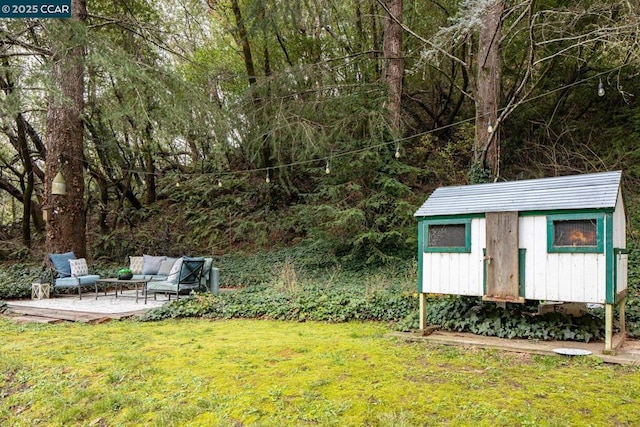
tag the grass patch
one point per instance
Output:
(266, 373)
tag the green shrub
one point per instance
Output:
(309, 303)
(471, 314)
(16, 279)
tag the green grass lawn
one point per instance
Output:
(270, 373)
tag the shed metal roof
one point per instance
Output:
(588, 191)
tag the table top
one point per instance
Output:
(115, 279)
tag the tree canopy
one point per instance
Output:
(190, 107)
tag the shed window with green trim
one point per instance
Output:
(575, 233)
(448, 236)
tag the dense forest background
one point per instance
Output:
(244, 125)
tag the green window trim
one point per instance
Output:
(597, 248)
(447, 249)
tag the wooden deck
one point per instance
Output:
(88, 310)
(25, 314)
(628, 354)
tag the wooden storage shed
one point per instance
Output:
(556, 239)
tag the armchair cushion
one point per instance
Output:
(72, 282)
(78, 267)
(61, 263)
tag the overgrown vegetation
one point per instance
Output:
(301, 284)
(266, 373)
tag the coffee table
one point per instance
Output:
(119, 282)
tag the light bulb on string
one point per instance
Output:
(267, 179)
(327, 170)
(490, 127)
(397, 151)
(600, 88)
(219, 182)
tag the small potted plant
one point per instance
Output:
(124, 274)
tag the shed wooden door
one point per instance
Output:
(501, 260)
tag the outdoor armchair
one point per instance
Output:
(183, 279)
(70, 273)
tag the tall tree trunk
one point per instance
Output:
(394, 62)
(66, 229)
(150, 167)
(488, 82)
(28, 188)
(243, 39)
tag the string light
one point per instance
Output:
(490, 127)
(397, 151)
(219, 182)
(387, 143)
(267, 179)
(600, 88)
(327, 170)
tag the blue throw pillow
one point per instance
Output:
(61, 263)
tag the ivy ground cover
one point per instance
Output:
(198, 372)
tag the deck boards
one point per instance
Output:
(40, 314)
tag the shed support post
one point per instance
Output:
(611, 347)
(608, 327)
(623, 322)
(423, 311)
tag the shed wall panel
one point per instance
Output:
(576, 277)
(456, 273)
(622, 262)
(619, 223)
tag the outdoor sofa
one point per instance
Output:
(158, 269)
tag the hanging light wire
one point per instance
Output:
(371, 147)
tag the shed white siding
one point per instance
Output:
(576, 277)
(619, 224)
(456, 273)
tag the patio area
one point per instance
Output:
(87, 309)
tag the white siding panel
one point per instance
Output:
(449, 273)
(572, 277)
(623, 260)
(476, 261)
(619, 224)
(456, 273)
(528, 237)
(575, 277)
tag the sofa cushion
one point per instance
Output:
(175, 271)
(151, 264)
(162, 286)
(61, 263)
(166, 265)
(78, 267)
(135, 264)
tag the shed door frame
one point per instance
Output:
(502, 266)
